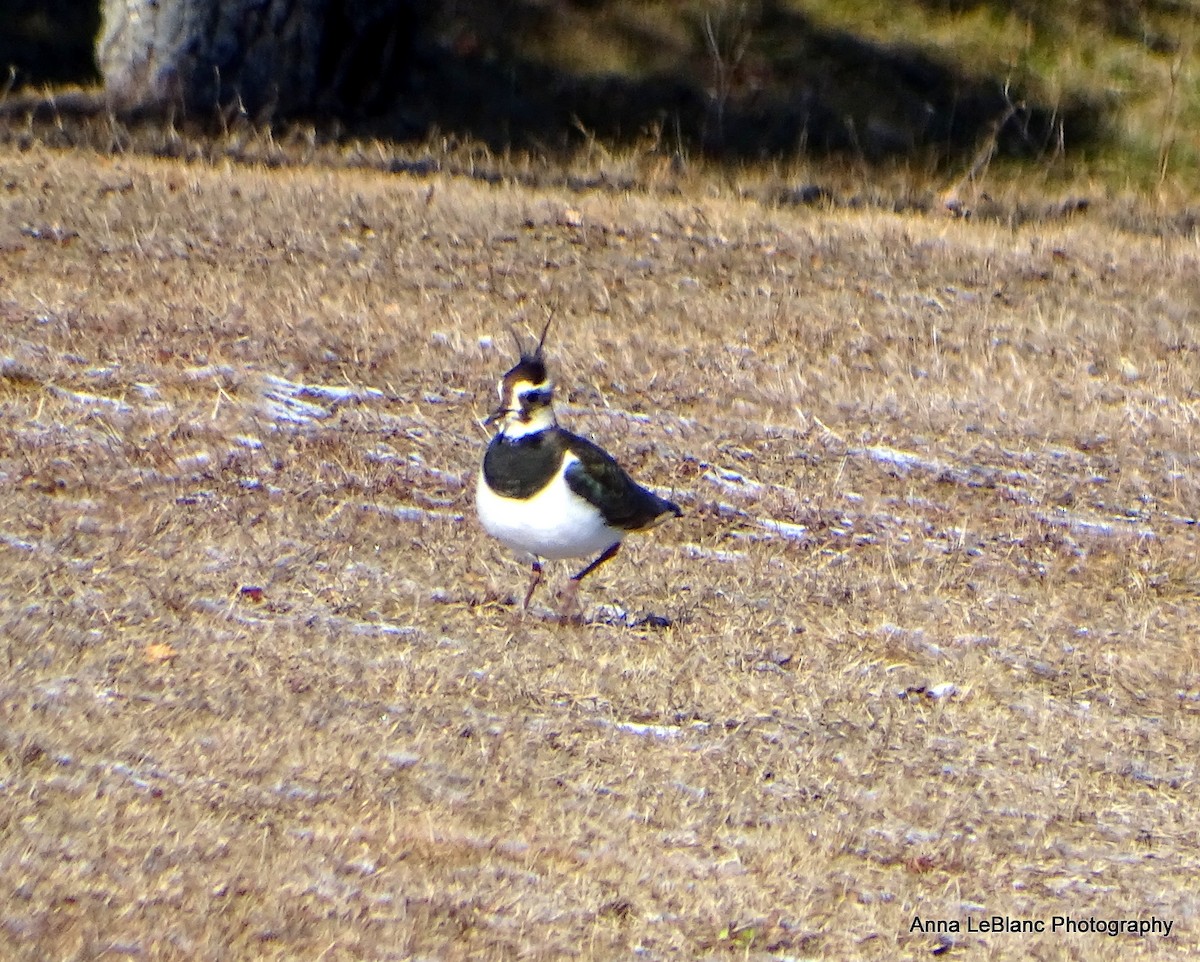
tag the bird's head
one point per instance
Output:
(526, 393)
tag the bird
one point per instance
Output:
(549, 494)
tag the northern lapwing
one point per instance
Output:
(550, 494)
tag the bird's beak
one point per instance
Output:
(495, 416)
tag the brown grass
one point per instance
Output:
(932, 608)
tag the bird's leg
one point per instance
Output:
(572, 589)
(607, 554)
(533, 583)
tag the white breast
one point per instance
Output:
(555, 523)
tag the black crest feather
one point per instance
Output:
(532, 365)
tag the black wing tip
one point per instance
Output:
(663, 510)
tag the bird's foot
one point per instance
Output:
(569, 612)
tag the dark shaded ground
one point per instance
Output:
(772, 82)
(47, 41)
(776, 84)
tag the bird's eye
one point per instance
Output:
(530, 398)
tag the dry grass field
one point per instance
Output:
(923, 645)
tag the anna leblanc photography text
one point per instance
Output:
(1064, 924)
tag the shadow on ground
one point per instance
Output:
(763, 81)
(47, 42)
(764, 84)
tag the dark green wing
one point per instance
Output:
(597, 478)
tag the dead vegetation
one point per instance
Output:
(931, 613)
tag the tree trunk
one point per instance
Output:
(271, 56)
